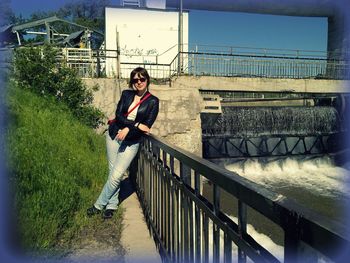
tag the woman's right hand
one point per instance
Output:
(122, 134)
(144, 128)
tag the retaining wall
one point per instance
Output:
(181, 103)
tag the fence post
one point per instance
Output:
(216, 229)
(98, 64)
(242, 228)
(185, 175)
(118, 55)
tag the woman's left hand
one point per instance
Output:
(144, 128)
(122, 134)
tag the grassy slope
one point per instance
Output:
(57, 168)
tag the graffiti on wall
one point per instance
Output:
(138, 52)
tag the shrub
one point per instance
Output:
(37, 69)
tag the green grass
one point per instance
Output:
(57, 168)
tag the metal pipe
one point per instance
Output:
(180, 40)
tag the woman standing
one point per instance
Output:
(136, 112)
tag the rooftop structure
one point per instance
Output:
(51, 30)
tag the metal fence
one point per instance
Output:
(231, 65)
(191, 227)
(273, 145)
(90, 63)
(96, 63)
(84, 61)
(156, 71)
(228, 62)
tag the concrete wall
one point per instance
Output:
(179, 117)
(107, 95)
(262, 84)
(179, 111)
(180, 105)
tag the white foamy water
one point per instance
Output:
(265, 241)
(317, 175)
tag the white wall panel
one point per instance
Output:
(145, 35)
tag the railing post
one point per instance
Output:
(291, 243)
(205, 238)
(98, 64)
(242, 228)
(198, 232)
(189, 240)
(216, 229)
(227, 249)
(185, 176)
(180, 47)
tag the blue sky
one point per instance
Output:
(256, 30)
(231, 28)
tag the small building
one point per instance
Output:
(143, 36)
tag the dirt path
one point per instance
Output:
(101, 244)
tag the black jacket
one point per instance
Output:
(146, 114)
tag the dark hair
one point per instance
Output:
(137, 72)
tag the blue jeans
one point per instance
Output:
(119, 154)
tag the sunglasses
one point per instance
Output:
(134, 81)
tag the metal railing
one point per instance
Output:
(189, 227)
(273, 145)
(157, 71)
(95, 63)
(227, 63)
(84, 61)
(258, 51)
(266, 66)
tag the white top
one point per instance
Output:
(132, 115)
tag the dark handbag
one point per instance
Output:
(114, 127)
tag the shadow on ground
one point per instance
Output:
(127, 188)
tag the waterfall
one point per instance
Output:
(257, 121)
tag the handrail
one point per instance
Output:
(254, 55)
(233, 64)
(165, 190)
(230, 49)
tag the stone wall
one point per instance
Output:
(107, 95)
(179, 117)
(178, 120)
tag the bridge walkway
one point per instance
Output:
(136, 238)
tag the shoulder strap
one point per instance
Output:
(142, 100)
(126, 114)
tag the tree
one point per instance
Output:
(89, 13)
(6, 14)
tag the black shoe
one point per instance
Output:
(108, 214)
(92, 211)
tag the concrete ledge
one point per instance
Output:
(263, 84)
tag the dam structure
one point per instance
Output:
(200, 112)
